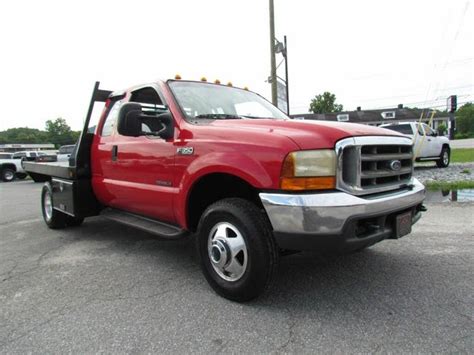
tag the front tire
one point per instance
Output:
(8, 175)
(238, 253)
(444, 158)
(74, 221)
(54, 219)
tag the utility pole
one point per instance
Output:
(273, 76)
(286, 78)
(452, 106)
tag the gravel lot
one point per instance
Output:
(454, 172)
(103, 287)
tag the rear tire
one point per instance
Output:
(444, 158)
(54, 219)
(8, 174)
(238, 254)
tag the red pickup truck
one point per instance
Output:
(179, 158)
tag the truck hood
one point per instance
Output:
(307, 134)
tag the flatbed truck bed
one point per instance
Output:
(53, 169)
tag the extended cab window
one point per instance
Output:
(111, 120)
(402, 128)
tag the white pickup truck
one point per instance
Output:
(10, 168)
(428, 145)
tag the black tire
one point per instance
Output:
(261, 256)
(54, 219)
(8, 175)
(444, 158)
(74, 221)
(21, 176)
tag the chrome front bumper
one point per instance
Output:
(327, 213)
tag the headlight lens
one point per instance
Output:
(309, 170)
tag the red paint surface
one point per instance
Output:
(250, 149)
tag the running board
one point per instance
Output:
(149, 225)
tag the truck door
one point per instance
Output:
(143, 166)
(422, 144)
(103, 169)
(433, 141)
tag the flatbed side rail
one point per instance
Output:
(80, 157)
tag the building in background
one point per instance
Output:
(378, 117)
(16, 147)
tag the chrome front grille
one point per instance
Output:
(374, 164)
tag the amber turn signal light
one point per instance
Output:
(308, 183)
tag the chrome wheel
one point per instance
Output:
(445, 157)
(8, 175)
(227, 251)
(48, 206)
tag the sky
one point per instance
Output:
(373, 54)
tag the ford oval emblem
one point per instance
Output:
(395, 165)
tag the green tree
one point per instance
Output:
(325, 103)
(442, 129)
(59, 133)
(23, 135)
(465, 119)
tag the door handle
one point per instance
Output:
(114, 152)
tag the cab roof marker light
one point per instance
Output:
(217, 81)
(203, 78)
(229, 83)
(177, 77)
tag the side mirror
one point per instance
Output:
(133, 122)
(167, 130)
(129, 123)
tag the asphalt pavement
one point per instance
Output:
(103, 287)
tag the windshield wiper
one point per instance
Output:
(254, 117)
(219, 116)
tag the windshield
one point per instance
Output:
(209, 101)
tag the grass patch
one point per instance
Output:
(462, 155)
(449, 185)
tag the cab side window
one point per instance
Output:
(428, 130)
(19, 155)
(151, 102)
(420, 130)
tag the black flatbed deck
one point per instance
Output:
(54, 169)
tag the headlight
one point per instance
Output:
(309, 170)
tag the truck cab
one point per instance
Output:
(178, 158)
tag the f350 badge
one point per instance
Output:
(185, 151)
